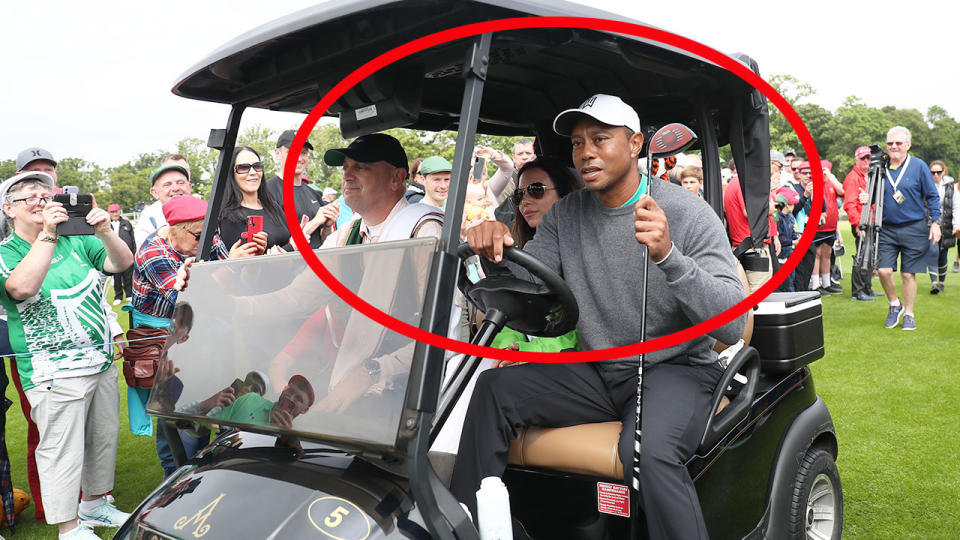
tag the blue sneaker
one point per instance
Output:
(105, 515)
(909, 323)
(894, 316)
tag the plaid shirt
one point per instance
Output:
(155, 271)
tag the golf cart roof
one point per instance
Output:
(290, 63)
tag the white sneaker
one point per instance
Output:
(105, 515)
(82, 532)
(116, 302)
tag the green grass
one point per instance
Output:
(893, 396)
(894, 400)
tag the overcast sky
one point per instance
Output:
(92, 80)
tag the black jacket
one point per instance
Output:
(126, 234)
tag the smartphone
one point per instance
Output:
(254, 225)
(77, 205)
(478, 167)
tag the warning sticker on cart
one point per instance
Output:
(613, 499)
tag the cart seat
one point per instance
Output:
(589, 449)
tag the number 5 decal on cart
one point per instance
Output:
(339, 519)
(336, 517)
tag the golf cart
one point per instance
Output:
(269, 327)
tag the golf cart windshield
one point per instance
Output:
(288, 349)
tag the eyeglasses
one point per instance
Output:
(935, 172)
(866, 157)
(896, 143)
(196, 235)
(535, 190)
(31, 201)
(806, 172)
(244, 168)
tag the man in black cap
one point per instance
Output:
(374, 181)
(307, 200)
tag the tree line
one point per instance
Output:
(936, 135)
(837, 134)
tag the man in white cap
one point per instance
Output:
(593, 238)
(329, 195)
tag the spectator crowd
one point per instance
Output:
(62, 335)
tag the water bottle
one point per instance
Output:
(493, 510)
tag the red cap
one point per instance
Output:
(862, 151)
(302, 383)
(789, 194)
(113, 207)
(826, 164)
(803, 165)
(184, 208)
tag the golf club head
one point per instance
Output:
(671, 139)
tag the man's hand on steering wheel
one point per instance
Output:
(540, 304)
(488, 238)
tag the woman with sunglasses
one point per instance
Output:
(542, 182)
(248, 196)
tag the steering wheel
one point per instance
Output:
(546, 309)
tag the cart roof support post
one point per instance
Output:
(224, 140)
(441, 511)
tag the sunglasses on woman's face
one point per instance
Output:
(535, 190)
(244, 168)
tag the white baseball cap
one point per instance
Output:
(604, 108)
(329, 191)
(24, 176)
(14, 180)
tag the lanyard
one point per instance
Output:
(903, 169)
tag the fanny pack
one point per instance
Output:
(141, 356)
(755, 262)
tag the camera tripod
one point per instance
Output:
(872, 215)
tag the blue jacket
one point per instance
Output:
(919, 193)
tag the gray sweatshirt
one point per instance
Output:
(594, 248)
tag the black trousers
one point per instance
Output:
(801, 276)
(676, 403)
(861, 281)
(123, 284)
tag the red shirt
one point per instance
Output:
(855, 181)
(832, 212)
(735, 208)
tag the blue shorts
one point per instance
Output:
(911, 241)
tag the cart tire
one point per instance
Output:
(816, 510)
